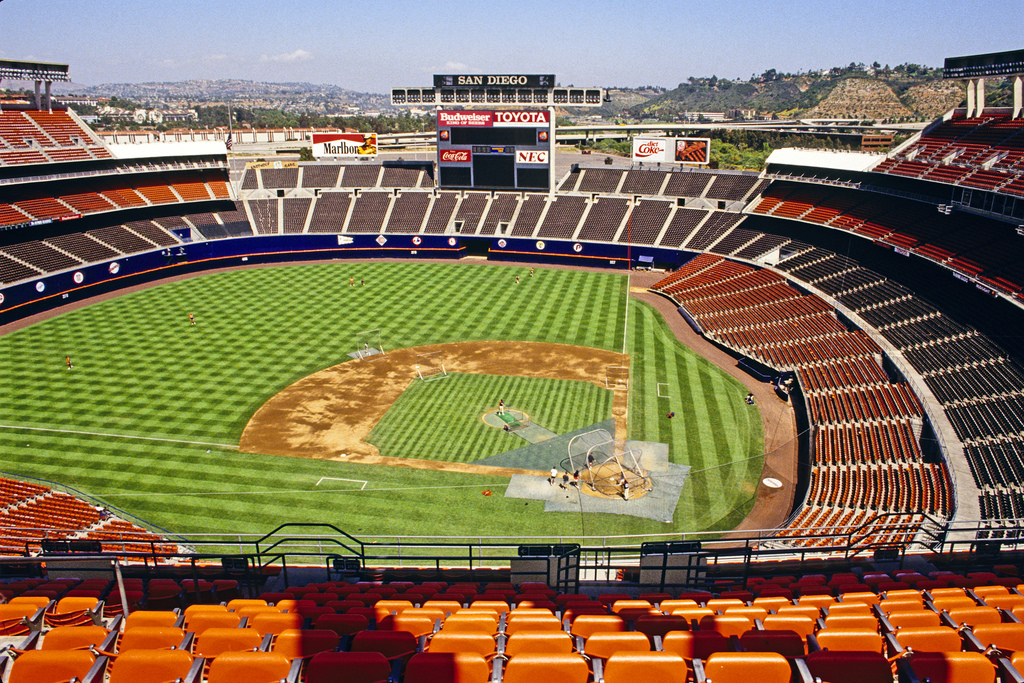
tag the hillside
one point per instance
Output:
(855, 91)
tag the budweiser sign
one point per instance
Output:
(651, 149)
(464, 118)
(455, 156)
(504, 119)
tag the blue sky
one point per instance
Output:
(375, 46)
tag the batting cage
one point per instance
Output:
(605, 470)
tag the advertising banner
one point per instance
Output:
(652, 149)
(693, 150)
(326, 145)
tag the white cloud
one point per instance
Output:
(216, 58)
(299, 55)
(456, 66)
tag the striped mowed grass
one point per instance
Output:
(149, 396)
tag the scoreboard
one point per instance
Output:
(505, 149)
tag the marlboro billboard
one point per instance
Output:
(333, 145)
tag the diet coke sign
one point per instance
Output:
(455, 156)
(651, 149)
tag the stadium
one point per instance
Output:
(360, 417)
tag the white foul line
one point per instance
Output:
(354, 481)
(119, 436)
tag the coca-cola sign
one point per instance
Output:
(455, 156)
(650, 149)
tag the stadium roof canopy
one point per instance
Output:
(1010, 63)
(33, 71)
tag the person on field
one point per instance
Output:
(501, 406)
(191, 318)
(67, 359)
(554, 476)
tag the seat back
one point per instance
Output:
(342, 624)
(359, 667)
(975, 616)
(801, 625)
(917, 618)
(441, 667)
(532, 622)
(199, 622)
(251, 667)
(850, 639)
(587, 624)
(694, 644)
(535, 667)
(150, 638)
(150, 618)
(786, 643)
(1006, 637)
(296, 643)
(275, 622)
(726, 624)
(392, 644)
(604, 644)
(150, 666)
(952, 667)
(743, 667)
(538, 641)
(631, 667)
(51, 666)
(418, 625)
(481, 643)
(213, 642)
(929, 639)
(849, 667)
(74, 637)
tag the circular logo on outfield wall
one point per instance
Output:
(40, 287)
(540, 245)
(577, 247)
(78, 277)
(1, 297)
(502, 244)
(114, 267)
(452, 241)
(417, 240)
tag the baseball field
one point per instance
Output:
(259, 414)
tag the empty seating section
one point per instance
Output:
(867, 459)
(120, 238)
(762, 245)
(330, 212)
(82, 247)
(264, 215)
(250, 180)
(32, 137)
(471, 210)
(279, 178)
(563, 217)
(604, 219)
(731, 187)
(735, 240)
(192, 191)
(974, 245)
(31, 512)
(688, 184)
(571, 180)
(369, 211)
(682, 225)
(155, 232)
(717, 225)
(529, 213)
(359, 176)
(645, 223)
(40, 255)
(600, 180)
(319, 176)
(408, 212)
(643, 182)
(500, 211)
(440, 216)
(397, 176)
(984, 152)
(294, 211)
(88, 202)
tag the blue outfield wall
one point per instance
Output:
(52, 291)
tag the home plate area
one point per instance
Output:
(659, 503)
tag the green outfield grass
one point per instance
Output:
(441, 419)
(141, 371)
